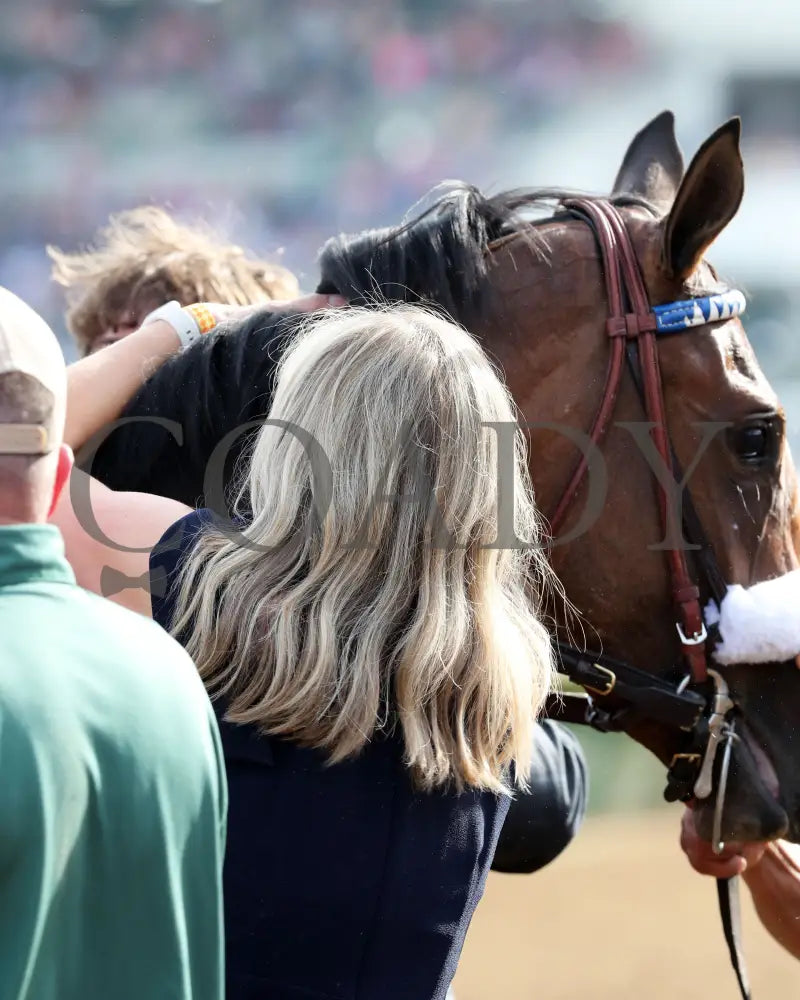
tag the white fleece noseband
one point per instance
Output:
(758, 624)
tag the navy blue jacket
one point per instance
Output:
(340, 881)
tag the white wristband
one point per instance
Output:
(181, 321)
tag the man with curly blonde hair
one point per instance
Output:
(143, 258)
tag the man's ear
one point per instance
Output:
(66, 460)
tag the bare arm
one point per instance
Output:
(99, 526)
(774, 884)
(770, 871)
(99, 386)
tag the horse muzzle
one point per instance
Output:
(747, 804)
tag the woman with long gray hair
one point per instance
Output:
(369, 636)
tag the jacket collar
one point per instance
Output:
(32, 553)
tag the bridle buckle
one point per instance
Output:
(696, 640)
(612, 680)
(691, 758)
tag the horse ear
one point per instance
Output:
(653, 165)
(707, 200)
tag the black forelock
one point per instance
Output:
(440, 255)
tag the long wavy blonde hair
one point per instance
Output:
(367, 592)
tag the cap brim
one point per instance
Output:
(24, 439)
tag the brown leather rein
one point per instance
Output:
(631, 328)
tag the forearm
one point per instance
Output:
(221, 383)
(774, 884)
(99, 386)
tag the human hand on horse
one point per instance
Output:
(771, 872)
(304, 303)
(734, 859)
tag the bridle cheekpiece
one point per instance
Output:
(633, 327)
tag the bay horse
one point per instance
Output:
(550, 300)
(537, 298)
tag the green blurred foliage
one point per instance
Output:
(623, 776)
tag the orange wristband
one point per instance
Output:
(203, 316)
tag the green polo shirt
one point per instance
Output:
(112, 795)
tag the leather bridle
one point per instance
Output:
(638, 695)
(630, 327)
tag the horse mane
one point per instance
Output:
(439, 255)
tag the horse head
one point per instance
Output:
(535, 294)
(726, 429)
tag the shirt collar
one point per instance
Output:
(31, 553)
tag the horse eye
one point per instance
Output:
(756, 444)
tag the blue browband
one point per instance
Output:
(673, 317)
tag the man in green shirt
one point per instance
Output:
(113, 795)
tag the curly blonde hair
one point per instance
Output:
(318, 635)
(143, 258)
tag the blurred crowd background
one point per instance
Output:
(283, 123)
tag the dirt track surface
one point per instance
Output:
(619, 915)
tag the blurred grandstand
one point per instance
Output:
(284, 123)
(281, 122)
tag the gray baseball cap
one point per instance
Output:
(28, 346)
